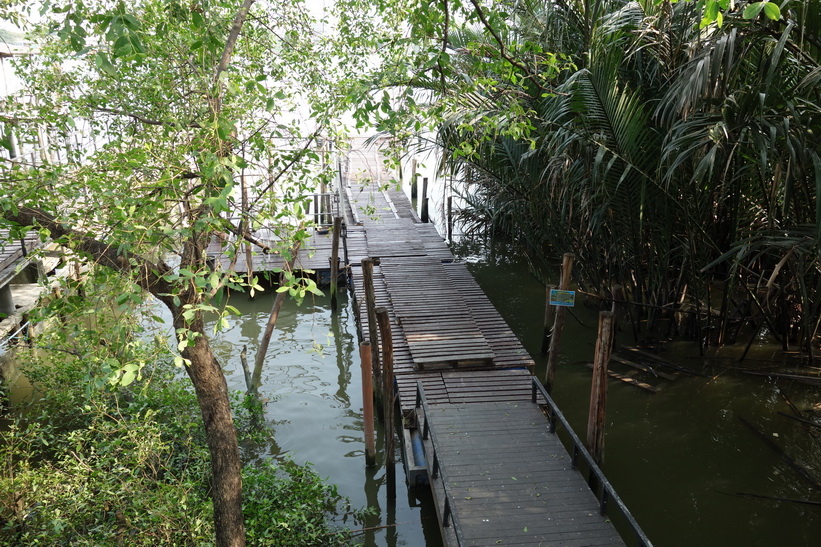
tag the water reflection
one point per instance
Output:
(313, 385)
(682, 459)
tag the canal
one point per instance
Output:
(682, 458)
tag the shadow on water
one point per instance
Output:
(680, 457)
(312, 384)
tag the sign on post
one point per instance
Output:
(562, 298)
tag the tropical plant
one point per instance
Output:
(675, 145)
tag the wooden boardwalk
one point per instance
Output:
(509, 480)
(13, 253)
(463, 381)
(498, 473)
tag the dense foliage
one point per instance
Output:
(91, 462)
(144, 131)
(665, 145)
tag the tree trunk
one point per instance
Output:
(226, 483)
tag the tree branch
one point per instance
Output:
(266, 249)
(142, 119)
(233, 35)
(445, 25)
(502, 51)
(285, 169)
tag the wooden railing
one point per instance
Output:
(449, 518)
(606, 494)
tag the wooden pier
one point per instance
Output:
(499, 473)
(476, 427)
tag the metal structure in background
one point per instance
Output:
(20, 335)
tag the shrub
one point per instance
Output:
(90, 463)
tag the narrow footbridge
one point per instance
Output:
(504, 466)
(477, 426)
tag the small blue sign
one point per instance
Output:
(562, 298)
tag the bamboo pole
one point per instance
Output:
(598, 390)
(373, 336)
(388, 397)
(335, 261)
(549, 313)
(367, 402)
(558, 324)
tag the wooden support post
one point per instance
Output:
(558, 323)
(549, 312)
(413, 185)
(246, 230)
(598, 391)
(388, 397)
(367, 402)
(335, 261)
(373, 337)
(423, 214)
(7, 307)
(450, 218)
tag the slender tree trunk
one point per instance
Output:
(212, 395)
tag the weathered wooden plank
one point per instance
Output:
(495, 449)
(630, 380)
(510, 479)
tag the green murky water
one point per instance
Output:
(312, 381)
(680, 457)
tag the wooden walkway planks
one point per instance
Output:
(314, 255)
(13, 253)
(438, 325)
(415, 265)
(510, 481)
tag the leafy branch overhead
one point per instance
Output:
(142, 123)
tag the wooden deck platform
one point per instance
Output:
(509, 480)
(13, 253)
(313, 255)
(498, 473)
(491, 457)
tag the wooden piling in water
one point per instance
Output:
(367, 402)
(335, 261)
(598, 390)
(549, 313)
(388, 397)
(423, 214)
(558, 323)
(373, 337)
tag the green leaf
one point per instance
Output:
(130, 372)
(711, 11)
(772, 11)
(752, 10)
(197, 20)
(131, 22)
